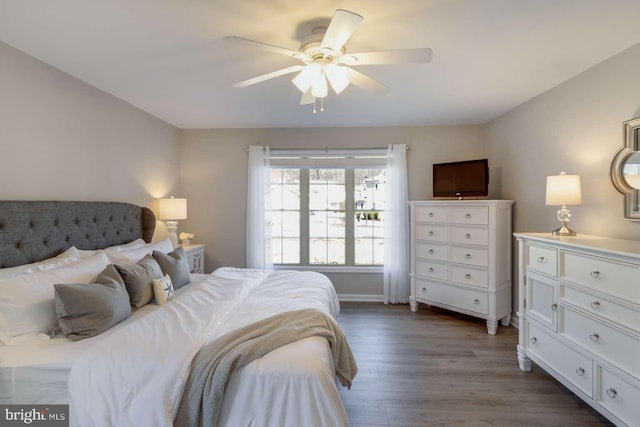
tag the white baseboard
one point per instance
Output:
(360, 298)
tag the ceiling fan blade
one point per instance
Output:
(401, 56)
(342, 26)
(307, 98)
(264, 46)
(268, 76)
(365, 82)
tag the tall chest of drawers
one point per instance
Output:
(579, 317)
(461, 257)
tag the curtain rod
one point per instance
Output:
(326, 149)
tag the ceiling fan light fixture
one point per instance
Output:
(319, 89)
(338, 77)
(307, 77)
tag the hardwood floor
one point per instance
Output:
(438, 368)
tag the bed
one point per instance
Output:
(134, 372)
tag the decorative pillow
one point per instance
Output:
(163, 289)
(86, 310)
(27, 310)
(174, 264)
(67, 257)
(133, 255)
(138, 279)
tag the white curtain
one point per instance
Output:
(258, 226)
(396, 227)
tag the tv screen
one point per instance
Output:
(461, 179)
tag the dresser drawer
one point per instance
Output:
(615, 278)
(469, 235)
(431, 214)
(542, 259)
(541, 300)
(431, 251)
(617, 347)
(431, 232)
(469, 215)
(447, 295)
(433, 269)
(474, 276)
(601, 306)
(573, 366)
(469, 255)
(619, 397)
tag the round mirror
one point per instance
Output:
(631, 170)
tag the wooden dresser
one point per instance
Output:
(579, 317)
(461, 257)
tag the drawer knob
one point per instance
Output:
(612, 393)
(467, 276)
(476, 301)
(431, 233)
(595, 305)
(468, 256)
(533, 340)
(430, 269)
(468, 216)
(430, 251)
(580, 371)
(430, 214)
(467, 236)
(554, 307)
(424, 289)
(594, 337)
(595, 274)
(540, 259)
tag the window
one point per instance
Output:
(327, 211)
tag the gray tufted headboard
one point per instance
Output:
(31, 231)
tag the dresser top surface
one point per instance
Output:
(453, 202)
(629, 248)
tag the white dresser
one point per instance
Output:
(461, 257)
(579, 317)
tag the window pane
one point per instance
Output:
(364, 251)
(336, 224)
(276, 224)
(318, 196)
(290, 197)
(290, 224)
(335, 251)
(335, 196)
(276, 250)
(378, 251)
(291, 251)
(317, 251)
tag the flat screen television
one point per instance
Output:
(461, 179)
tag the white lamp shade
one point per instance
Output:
(172, 209)
(307, 77)
(338, 77)
(563, 189)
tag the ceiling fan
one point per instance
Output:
(325, 59)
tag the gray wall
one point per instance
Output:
(213, 173)
(63, 139)
(575, 127)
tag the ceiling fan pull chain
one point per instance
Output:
(321, 104)
(314, 105)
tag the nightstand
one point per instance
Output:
(195, 256)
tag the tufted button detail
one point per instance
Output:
(124, 218)
(104, 234)
(45, 242)
(86, 236)
(77, 221)
(30, 224)
(95, 219)
(16, 245)
(1, 226)
(110, 218)
(117, 233)
(55, 222)
(66, 239)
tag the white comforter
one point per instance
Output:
(135, 377)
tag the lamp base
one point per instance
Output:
(172, 228)
(563, 231)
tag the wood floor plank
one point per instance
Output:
(438, 368)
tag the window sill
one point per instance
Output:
(332, 269)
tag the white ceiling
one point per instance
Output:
(167, 57)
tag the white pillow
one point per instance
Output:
(133, 255)
(138, 243)
(67, 257)
(163, 289)
(27, 308)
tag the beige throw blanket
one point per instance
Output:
(213, 365)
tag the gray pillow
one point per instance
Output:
(174, 264)
(138, 279)
(86, 310)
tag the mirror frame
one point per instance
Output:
(631, 146)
